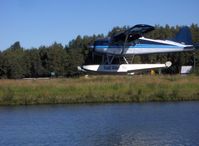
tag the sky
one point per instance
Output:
(42, 22)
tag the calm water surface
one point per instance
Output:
(101, 125)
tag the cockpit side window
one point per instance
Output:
(133, 37)
(117, 43)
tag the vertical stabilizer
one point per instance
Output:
(184, 36)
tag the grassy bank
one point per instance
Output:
(99, 89)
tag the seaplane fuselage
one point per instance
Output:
(140, 46)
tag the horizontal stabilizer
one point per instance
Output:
(196, 45)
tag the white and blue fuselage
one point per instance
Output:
(141, 46)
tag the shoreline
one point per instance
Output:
(100, 89)
(98, 103)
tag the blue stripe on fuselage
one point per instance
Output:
(140, 46)
(154, 46)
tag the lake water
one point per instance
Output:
(101, 124)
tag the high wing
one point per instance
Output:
(133, 33)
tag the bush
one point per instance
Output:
(8, 94)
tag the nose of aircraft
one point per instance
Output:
(91, 48)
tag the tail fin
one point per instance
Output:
(184, 36)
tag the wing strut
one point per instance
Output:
(126, 61)
(124, 46)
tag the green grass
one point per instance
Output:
(99, 89)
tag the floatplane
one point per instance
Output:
(132, 42)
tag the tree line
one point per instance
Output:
(58, 60)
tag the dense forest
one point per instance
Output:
(58, 60)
